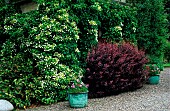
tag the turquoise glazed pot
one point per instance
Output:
(78, 100)
(154, 79)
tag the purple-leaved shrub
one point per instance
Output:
(115, 68)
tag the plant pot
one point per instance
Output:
(78, 100)
(154, 79)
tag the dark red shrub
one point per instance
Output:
(113, 68)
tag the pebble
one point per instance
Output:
(5, 105)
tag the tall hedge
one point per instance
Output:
(167, 7)
(5, 10)
(118, 22)
(113, 21)
(152, 30)
(167, 49)
(40, 50)
(85, 12)
(39, 59)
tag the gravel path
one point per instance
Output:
(148, 98)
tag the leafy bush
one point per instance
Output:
(5, 10)
(114, 22)
(39, 59)
(85, 13)
(39, 48)
(114, 68)
(167, 7)
(152, 30)
(118, 22)
(167, 53)
(42, 49)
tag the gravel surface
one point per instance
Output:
(148, 98)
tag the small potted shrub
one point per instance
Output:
(78, 94)
(154, 74)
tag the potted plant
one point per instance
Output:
(78, 94)
(154, 73)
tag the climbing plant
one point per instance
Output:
(39, 59)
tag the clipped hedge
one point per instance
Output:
(39, 59)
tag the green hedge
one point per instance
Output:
(39, 59)
(152, 30)
(116, 22)
(167, 53)
(167, 7)
(167, 49)
(40, 50)
(86, 14)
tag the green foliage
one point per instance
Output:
(116, 23)
(152, 30)
(167, 7)
(5, 10)
(85, 13)
(40, 50)
(153, 69)
(167, 53)
(166, 65)
(39, 59)
(77, 86)
(167, 48)
(42, 46)
(156, 60)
